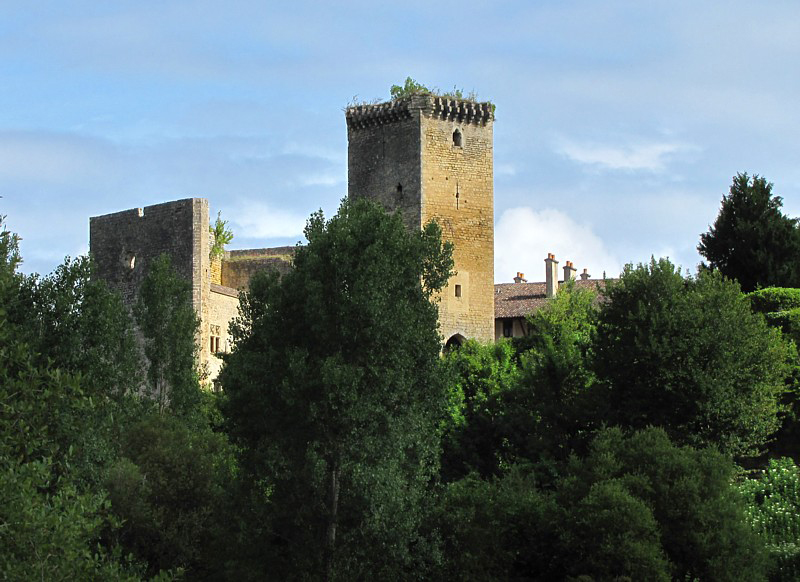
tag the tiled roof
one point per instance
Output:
(520, 299)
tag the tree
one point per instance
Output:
(752, 240)
(700, 517)
(688, 355)
(478, 376)
(220, 236)
(71, 319)
(335, 392)
(169, 325)
(52, 515)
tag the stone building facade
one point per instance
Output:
(431, 158)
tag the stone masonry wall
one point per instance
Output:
(223, 304)
(239, 266)
(383, 157)
(123, 245)
(458, 193)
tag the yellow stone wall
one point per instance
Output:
(467, 220)
(222, 308)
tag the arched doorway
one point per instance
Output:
(455, 342)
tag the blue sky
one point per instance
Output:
(619, 124)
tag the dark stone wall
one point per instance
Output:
(123, 244)
(383, 163)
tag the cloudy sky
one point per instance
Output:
(619, 127)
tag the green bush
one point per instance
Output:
(774, 299)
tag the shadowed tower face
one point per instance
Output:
(430, 158)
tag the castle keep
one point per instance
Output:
(423, 156)
(431, 158)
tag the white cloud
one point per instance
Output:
(524, 236)
(643, 156)
(252, 219)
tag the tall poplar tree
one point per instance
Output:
(336, 396)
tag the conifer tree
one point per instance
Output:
(752, 240)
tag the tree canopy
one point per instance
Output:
(688, 355)
(335, 390)
(751, 240)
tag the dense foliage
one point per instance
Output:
(751, 240)
(335, 395)
(346, 445)
(688, 355)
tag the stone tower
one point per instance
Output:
(430, 158)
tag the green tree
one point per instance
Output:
(168, 490)
(52, 515)
(71, 319)
(478, 377)
(751, 240)
(334, 390)
(410, 87)
(688, 355)
(221, 235)
(169, 326)
(700, 517)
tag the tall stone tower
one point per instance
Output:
(430, 158)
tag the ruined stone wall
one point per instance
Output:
(410, 142)
(239, 266)
(124, 243)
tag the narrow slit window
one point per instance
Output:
(457, 138)
(458, 290)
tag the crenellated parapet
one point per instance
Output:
(431, 106)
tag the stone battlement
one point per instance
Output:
(432, 106)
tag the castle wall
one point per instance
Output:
(238, 267)
(124, 244)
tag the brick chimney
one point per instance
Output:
(569, 272)
(520, 278)
(551, 274)
(585, 275)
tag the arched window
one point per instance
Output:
(457, 138)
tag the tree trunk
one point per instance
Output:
(333, 509)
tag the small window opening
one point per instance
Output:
(457, 138)
(458, 290)
(508, 328)
(399, 188)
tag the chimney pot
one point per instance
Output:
(585, 275)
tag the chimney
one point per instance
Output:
(520, 278)
(551, 274)
(585, 275)
(569, 272)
